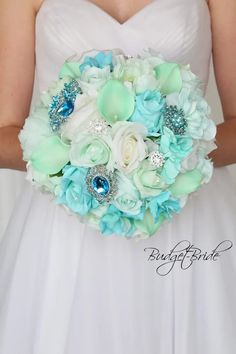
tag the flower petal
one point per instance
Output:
(50, 156)
(70, 69)
(186, 183)
(115, 101)
(169, 76)
(148, 226)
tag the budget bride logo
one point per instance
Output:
(184, 254)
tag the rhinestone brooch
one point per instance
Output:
(174, 119)
(156, 159)
(62, 105)
(101, 183)
(98, 127)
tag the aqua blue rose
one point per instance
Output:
(163, 204)
(174, 149)
(100, 60)
(74, 193)
(148, 111)
(176, 146)
(115, 222)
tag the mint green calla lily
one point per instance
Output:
(186, 183)
(70, 69)
(148, 226)
(50, 156)
(169, 76)
(115, 101)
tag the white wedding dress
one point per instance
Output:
(64, 288)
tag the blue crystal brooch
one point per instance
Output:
(174, 119)
(62, 105)
(101, 183)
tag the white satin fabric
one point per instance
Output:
(65, 289)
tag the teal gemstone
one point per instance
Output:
(66, 108)
(101, 185)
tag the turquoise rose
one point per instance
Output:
(174, 148)
(148, 111)
(74, 193)
(163, 204)
(127, 198)
(100, 60)
(170, 170)
(114, 222)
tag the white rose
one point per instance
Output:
(92, 79)
(85, 110)
(129, 147)
(43, 181)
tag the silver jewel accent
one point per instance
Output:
(175, 120)
(62, 104)
(98, 127)
(156, 159)
(101, 175)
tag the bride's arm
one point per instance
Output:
(223, 17)
(17, 24)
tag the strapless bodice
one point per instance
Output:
(179, 29)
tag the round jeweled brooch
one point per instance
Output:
(156, 159)
(98, 127)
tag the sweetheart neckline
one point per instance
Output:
(136, 15)
(132, 17)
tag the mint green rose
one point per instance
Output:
(127, 198)
(148, 227)
(90, 150)
(148, 180)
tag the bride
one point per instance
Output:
(65, 289)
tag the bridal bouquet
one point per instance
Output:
(120, 141)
